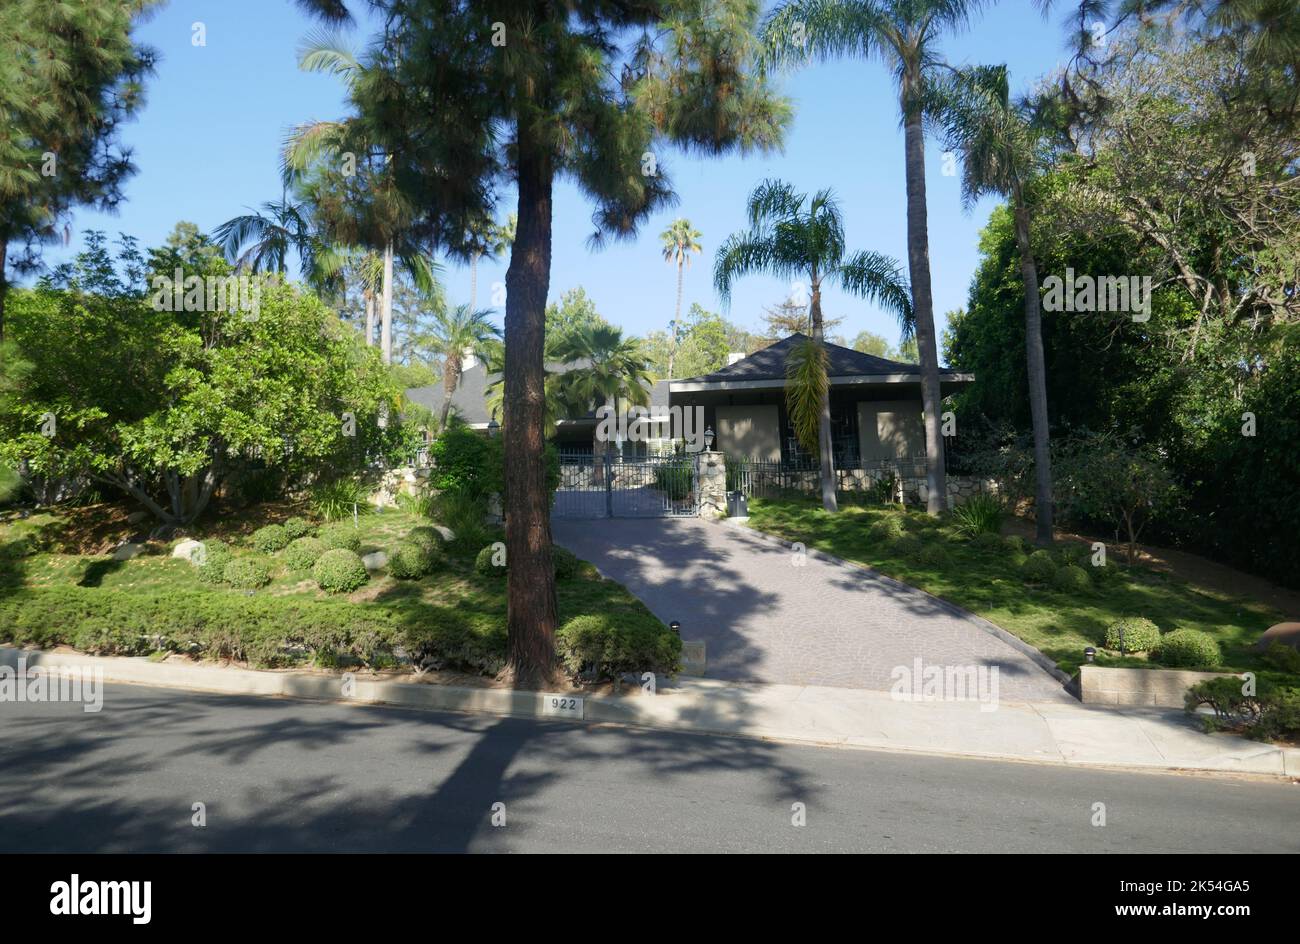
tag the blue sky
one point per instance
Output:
(207, 146)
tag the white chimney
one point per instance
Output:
(734, 356)
(468, 359)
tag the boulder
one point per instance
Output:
(136, 517)
(124, 552)
(1286, 633)
(375, 560)
(185, 550)
(445, 532)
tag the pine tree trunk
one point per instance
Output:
(530, 588)
(825, 448)
(918, 264)
(4, 284)
(386, 308)
(370, 318)
(1037, 375)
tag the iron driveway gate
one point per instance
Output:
(617, 487)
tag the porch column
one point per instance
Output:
(711, 480)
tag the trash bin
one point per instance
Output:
(737, 505)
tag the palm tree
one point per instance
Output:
(457, 332)
(792, 236)
(904, 35)
(1000, 144)
(262, 240)
(679, 241)
(361, 206)
(487, 237)
(613, 369)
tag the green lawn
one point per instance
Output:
(989, 583)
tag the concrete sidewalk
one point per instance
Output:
(1045, 733)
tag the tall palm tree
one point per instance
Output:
(360, 205)
(455, 333)
(793, 236)
(262, 240)
(1000, 144)
(615, 370)
(679, 241)
(487, 237)
(904, 35)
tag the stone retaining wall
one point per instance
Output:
(1158, 688)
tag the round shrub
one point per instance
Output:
(908, 546)
(303, 552)
(887, 528)
(1071, 579)
(1072, 554)
(340, 536)
(483, 563)
(1039, 568)
(612, 646)
(565, 562)
(271, 538)
(247, 573)
(410, 561)
(425, 537)
(1189, 647)
(1014, 543)
(215, 556)
(933, 554)
(987, 541)
(339, 571)
(297, 528)
(1139, 635)
(1017, 559)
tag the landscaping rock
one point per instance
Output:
(185, 550)
(127, 551)
(375, 560)
(446, 532)
(1288, 634)
(136, 517)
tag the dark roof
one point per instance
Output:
(769, 364)
(469, 399)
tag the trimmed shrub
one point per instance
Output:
(987, 541)
(1015, 543)
(888, 528)
(1072, 579)
(612, 645)
(1283, 658)
(442, 638)
(303, 552)
(1136, 634)
(247, 573)
(298, 528)
(271, 538)
(425, 537)
(1017, 560)
(339, 571)
(933, 554)
(909, 546)
(1188, 648)
(483, 563)
(216, 555)
(1271, 713)
(410, 561)
(565, 562)
(340, 536)
(1039, 568)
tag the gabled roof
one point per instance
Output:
(845, 365)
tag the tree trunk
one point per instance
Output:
(1037, 375)
(4, 284)
(530, 587)
(825, 448)
(370, 317)
(386, 307)
(918, 265)
(473, 280)
(450, 380)
(677, 322)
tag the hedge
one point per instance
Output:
(1271, 712)
(247, 573)
(1189, 648)
(303, 552)
(615, 644)
(339, 571)
(271, 538)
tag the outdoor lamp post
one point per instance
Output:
(1090, 653)
(493, 426)
(675, 627)
(708, 439)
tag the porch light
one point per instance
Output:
(675, 627)
(1090, 653)
(708, 439)
(493, 426)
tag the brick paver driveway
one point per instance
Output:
(764, 619)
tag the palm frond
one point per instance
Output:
(806, 388)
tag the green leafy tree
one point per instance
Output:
(487, 237)
(680, 240)
(70, 75)
(794, 236)
(615, 372)
(468, 100)
(904, 35)
(575, 311)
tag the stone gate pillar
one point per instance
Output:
(711, 480)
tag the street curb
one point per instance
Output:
(992, 629)
(596, 709)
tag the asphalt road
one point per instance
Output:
(290, 776)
